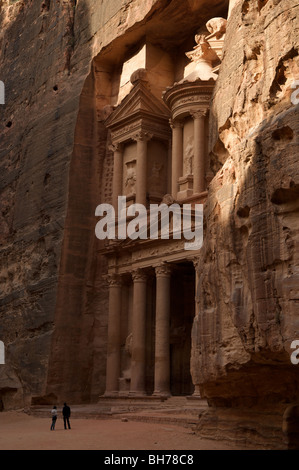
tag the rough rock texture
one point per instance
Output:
(35, 148)
(55, 57)
(248, 287)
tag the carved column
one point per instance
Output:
(199, 184)
(138, 333)
(196, 298)
(195, 261)
(141, 174)
(117, 149)
(162, 347)
(177, 155)
(114, 335)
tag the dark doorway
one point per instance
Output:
(181, 320)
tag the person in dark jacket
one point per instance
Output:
(66, 412)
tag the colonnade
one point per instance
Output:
(162, 366)
(162, 328)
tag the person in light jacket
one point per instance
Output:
(54, 417)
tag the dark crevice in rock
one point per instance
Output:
(285, 195)
(280, 75)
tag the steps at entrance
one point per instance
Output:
(174, 410)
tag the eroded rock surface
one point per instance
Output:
(248, 288)
(56, 60)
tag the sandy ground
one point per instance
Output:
(18, 431)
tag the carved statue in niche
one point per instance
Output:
(216, 28)
(189, 155)
(125, 379)
(156, 177)
(130, 178)
(128, 344)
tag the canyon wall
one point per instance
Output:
(59, 61)
(248, 279)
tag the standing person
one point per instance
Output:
(54, 417)
(66, 412)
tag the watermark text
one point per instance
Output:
(295, 94)
(2, 353)
(295, 354)
(2, 93)
(159, 222)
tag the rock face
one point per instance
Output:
(60, 64)
(248, 276)
(36, 145)
(247, 289)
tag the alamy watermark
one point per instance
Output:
(295, 344)
(159, 222)
(295, 94)
(295, 354)
(2, 353)
(2, 93)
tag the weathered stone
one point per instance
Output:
(66, 68)
(246, 328)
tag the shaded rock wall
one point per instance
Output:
(36, 144)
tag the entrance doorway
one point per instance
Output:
(181, 320)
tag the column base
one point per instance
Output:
(196, 392)
(159, 394)
(111, 394)
(136, 394)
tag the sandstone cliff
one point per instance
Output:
(55, 57)
(248, 289)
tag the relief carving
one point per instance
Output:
(138, 275)
(189, 155)
(130, 178)
(156, 179)
(128, 344)
(163, 270)
(114, 280)
(202, 51)
(142, 136)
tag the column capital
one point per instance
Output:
(176, 123)
(163, 270)
(115, 147)
(139, 275)
(199, 113)
(114, 280)
(142, 136)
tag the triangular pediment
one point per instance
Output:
(139, 102)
